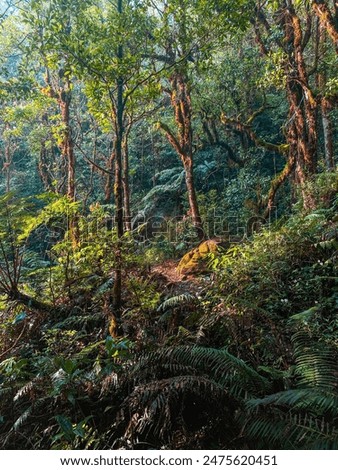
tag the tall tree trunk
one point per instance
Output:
(43, 168)
(192, 197)
(302, 106)
(8, 163)
(118, 184)
(301, 129)
(325, 105)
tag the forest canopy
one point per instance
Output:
(168, 224)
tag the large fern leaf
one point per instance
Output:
(218, 364)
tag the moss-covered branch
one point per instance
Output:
(277, 183)
(282, 149)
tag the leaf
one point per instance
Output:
(65, 425)
(19, 318)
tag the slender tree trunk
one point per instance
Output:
(67, 145)
(108, 189)
(193, 204)
(125, 181)
(43, 168)
(325, 105)
(118, 184)
(68, 155)
(43, 161)
(8, 165)
(328, 134)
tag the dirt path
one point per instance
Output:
(175, 283)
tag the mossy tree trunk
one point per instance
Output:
(328, 20)
(182, 141)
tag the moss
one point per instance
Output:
(195, 260)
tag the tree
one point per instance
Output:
(294, 28)
(327, 19)
(106, 49)
(187, 37)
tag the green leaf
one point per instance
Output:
(19, 318)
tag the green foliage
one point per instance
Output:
(178, 301)
(241, 355)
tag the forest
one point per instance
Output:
(168, 224)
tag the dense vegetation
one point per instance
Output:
(132, 135)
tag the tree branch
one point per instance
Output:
(282, 149)
(170, 136)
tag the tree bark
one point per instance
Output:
(182, 142)
(125, 182)
(118, 184)
(302, 107)
(108, 189)
(67, 145)
(301, 127)
(43, 161)
(192, 197)
(327, 19)
(327, 133)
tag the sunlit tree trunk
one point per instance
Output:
(108, 189)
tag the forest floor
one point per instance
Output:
(175, 283)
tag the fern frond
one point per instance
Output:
(277, 430)
(181, 301)
(316, 363)
(313, 399)
(78, 322)
(157, 407)
(28, 388)
(105, 287)
(221, 366)
(23, 418)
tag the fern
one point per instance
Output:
(221, 366)
(320, 401)
(28, 388)
(24, 417)
(302, 417)
(181, 301)
(78, 322)
(105, 287)
(316, 363)
(157, 408)
(291, 431)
